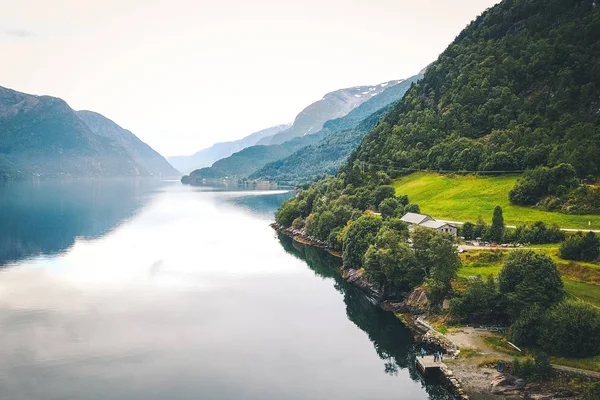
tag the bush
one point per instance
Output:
(298, 223)
(539, 369)
(571, 329)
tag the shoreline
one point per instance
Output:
(422, 332)
(472, 376)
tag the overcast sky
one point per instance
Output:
(184, 74)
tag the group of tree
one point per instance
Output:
(364, 223)
(529, 295)
(535, 233)
(542, 182)
(581, 247)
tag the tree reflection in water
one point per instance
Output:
(391, 339)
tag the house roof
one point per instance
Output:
(414, 218)
(435, 224)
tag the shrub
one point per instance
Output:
(572, 329)
(298, 223)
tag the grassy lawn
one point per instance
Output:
(590, 363)
(583, 291)
(464, 198)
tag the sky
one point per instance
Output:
(184, 74)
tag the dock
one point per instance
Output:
(426, 364)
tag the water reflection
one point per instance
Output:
(392, 341)
(45, 217)
(184, 293)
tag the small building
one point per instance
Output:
(414, 219)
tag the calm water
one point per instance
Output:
(141, 290)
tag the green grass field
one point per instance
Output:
(465, 198)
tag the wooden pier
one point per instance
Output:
(426, 364)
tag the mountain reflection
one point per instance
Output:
(45, 217)
(391, 339)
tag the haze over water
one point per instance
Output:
(148, 290)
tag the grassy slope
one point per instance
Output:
(464, 198)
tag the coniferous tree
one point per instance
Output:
(497, 228)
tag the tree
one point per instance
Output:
(413, 208)
(525, 330)
(497, 229)
(528, 279)
(481, 302)
(358, 237)
(391, 263)
(468, 230)
(388, 206)
(381, 193)
(403, 199)
(438, 258)
(288, 212)
(580, 247)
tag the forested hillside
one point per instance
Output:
(518, 88)
(245, 162)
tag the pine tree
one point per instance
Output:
(497, 228)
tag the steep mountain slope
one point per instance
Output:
(518, 88)
(254, 159)
(143, 154)
(332, 105)
(42, 136)
(327, 155)
(208, 156)
(245, 162)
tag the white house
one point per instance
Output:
(414, 219)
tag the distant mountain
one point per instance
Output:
(327, 155)
(243, 163)
(208, 156)
(42, 136)
(332, 105)
(252, 159)
(143, 154)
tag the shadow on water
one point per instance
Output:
(46, 217)
(391, 339)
